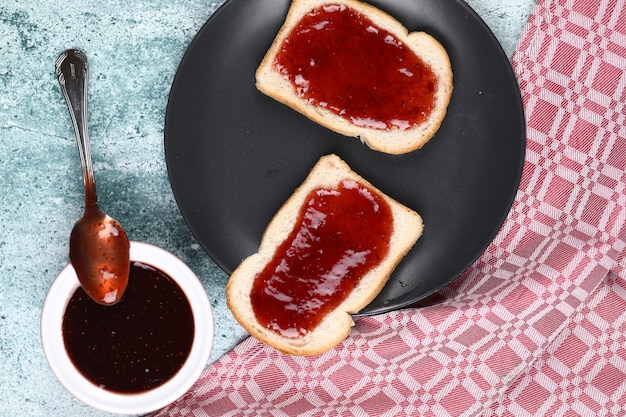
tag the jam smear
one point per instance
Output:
(339, 236)
(337, 58)
(138, 343)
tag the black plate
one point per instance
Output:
(235, 155)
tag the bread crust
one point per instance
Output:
(328, 172)
(393, 141)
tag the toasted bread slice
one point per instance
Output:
(328, 173)
(391, 139)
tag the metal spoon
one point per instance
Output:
(99, 247)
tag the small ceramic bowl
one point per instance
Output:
(146, 401)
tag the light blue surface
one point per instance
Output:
(134, 49)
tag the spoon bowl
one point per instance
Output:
(99, 246)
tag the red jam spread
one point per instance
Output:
(338, 59)
(137, 344)
(339, 236)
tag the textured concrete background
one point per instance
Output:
(134, 49)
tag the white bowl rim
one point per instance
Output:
(144, 402)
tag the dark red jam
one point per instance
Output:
(138, 343)
(339, 236)
(338, 59)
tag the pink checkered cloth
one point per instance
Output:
(537, 326)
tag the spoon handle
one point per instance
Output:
(72, 70)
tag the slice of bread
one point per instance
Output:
(328, 173)
(392, 140)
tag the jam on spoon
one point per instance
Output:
(99, 247)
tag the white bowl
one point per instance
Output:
(144, 402)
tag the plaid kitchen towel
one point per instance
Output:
(537, 326)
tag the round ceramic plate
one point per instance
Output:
(234, 155)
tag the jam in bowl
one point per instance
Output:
(140, 354)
